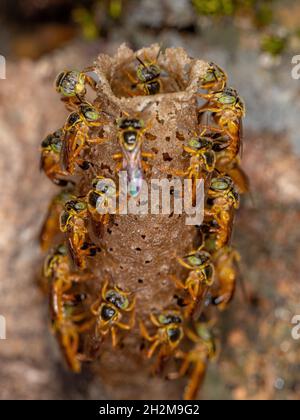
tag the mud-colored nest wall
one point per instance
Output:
(138, 254)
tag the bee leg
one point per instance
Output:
(79, 145)
(147, 155)
(105, 219)
(117, 156)
(208, 109)
(206, 96)
(131, 306)
(179, 284)
(145, 334)
(119, 166)
(70, 343)
(69, 104)
(90, 81)
(146, 167)
(86, 326)
(183, 369)
(195, 381)
(97, 140)
(123, 326)
(131, 78)
(173, 172)
(114, 337)
(95, 308)
(153, 348)
(207, 128)
(194, 290)
(162, 357)
(104, 290)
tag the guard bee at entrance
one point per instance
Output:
(131, 138)
(147, 76)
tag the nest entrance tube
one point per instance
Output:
(145, 272)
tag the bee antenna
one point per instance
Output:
(159, 52)
(107, 113)
(140, 61)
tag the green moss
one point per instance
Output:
(274, 44)
(214, 7)
(261, 10)
(115, 8)
(85, 19)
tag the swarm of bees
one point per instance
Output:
(179, 336)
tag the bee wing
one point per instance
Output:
(66, 151)
(241, 136)
(42, 161)
(76, 258)
(240, 178)
(210, 160)
(50, 228)
(230, 227)
(195, 381)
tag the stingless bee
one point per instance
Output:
(227, 109)
(200, 278)
(202, 157)
(204, 349)
(226, 264)
(77, 134)
(50, 229)
(231, 167)
(71, 85)
(222, 187)
(220, 213)
(101, 199)
(169, 324)
(131, 132)
(148, 76)
(202, 148)
(50, 158)
(67, 321)
(214, 80)
(73, 220)
(109, 311)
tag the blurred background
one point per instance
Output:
(254, 41)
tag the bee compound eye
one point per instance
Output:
(80, 206)
(107, 313)
(219, 184)
(93, 199)
(174, 334)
